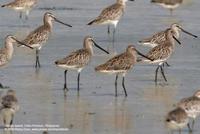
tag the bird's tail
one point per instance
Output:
(6, 5)
(96, 21)
(155, 1)
(56, 62)
(142, 41)
(97, 68)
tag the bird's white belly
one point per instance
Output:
(66, 67)
(112, 22)
(113, 71)
(174, 125)
(19, 8)
(170, 6)
(160, 61)
(37, 46)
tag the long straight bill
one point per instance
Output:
(22, 43)
(195, 36)
(143, 55)
(100, 47)
(177, 40)
(62, 22)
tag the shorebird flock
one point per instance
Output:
(162, 46)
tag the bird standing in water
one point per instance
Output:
(40, 35)
(78, 59)
(111, 16)
(120, 64)
(21, 6)
(161, 37)
(169, 4)
(161, 53)
(9, 107)
(6, 52)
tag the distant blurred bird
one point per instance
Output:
(191, 105)
(9, 107)
(169, 4)
(111, 16)
(6, 52)
(177, 119)
(21, 6)
(38, 37)
(10, 100)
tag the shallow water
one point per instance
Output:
(96, 110)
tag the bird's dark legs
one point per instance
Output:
(1, 86)
(37, 64)
(78, 84)
(20, 15)
(193, 121)
(109, 38)
(179, 131)
(156, 74)
(113, 41)
(116, 85)
(189, 128)
(65, 89)
(167, 64)
(65, 80)
(11, 122)
(163, 74)
(123, 85)
(108, 30)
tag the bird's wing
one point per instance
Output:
(77, 58)
(156, 38)
(159, 52)
(112, 12)
(38, 36)
(119, 62)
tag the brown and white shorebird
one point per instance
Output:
(191, 105)
(10, 100)
(177, 119)
(169, 4)
(160, 37)
(161, 53)
(6, 52)
(21, 6)
(9, 107)
(111, 16)
(78, 59)
(120, 64)
(40, 35)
